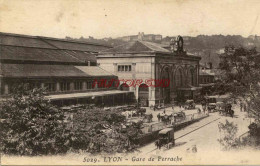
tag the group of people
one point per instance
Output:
(163, 117)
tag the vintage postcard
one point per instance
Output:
(133, 82)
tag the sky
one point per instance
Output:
(115, 18)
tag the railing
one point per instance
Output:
(161, 125)
(246, 134)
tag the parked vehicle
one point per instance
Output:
(166, 138)
(213, 100)
(228, 110)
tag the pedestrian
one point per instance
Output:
(241, 106)
(154, 108)
(159, 117)
(164, 111)
(199, 110)
(232, 113)
(194, 149)
(157, 144)
(245, 109)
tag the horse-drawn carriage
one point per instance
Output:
(226, 110)
(179, 116)
(220, 106)
(166, 138)
(166, 118)
(156, 107)
(148, 118)
(189, 104)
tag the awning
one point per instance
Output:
(86, 94)
(209, 84)
(191, 88)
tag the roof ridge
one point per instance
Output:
(56, 48)
(105, 70)
(153, 44)
(52, 38)
(117, 46)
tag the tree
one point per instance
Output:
(241, 76)
(30, 125)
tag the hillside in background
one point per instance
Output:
(207, 47)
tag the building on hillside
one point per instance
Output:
(254, 37)
(142, 60)
(206, 81)
(143, 37)
(67, 70)
(167, 40)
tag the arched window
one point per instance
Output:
(124, 87)
(178, 78)
(191, 77)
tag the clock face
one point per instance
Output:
(175, 47)
(180, 43)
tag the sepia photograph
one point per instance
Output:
(129, 82)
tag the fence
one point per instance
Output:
(161, 125)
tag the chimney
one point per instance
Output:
(140, 36)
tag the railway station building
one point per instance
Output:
(67, 69)
(142, 60)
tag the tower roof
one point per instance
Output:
(137, 47)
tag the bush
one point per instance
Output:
(229, 139)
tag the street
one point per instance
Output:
(204, 135)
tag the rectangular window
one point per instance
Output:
(65, 86)
(89, 85)
(78, 85)
(50, 87)
(125, 68)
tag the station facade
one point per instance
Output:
(142, 60)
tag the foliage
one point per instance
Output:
(31, 125)
(254, 130)
(241, 76)
(229, 131)
(105, 131)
